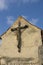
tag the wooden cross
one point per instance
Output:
(18, 29)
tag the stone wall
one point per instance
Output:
(31, 40)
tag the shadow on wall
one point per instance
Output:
(12, 61)
(0, 40)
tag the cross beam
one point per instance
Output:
(18, 29)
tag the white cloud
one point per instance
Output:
(10, 20)
(34, 21)
(4, 4)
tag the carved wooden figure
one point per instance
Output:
(18, 29)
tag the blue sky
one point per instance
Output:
(32, 10)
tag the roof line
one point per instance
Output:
(5, 31)
(31, 23)
(25, 20)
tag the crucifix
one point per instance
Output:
(18, 29)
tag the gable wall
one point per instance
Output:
(31, 40)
